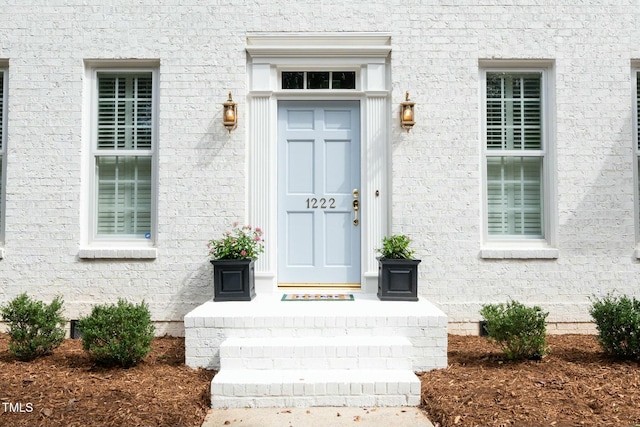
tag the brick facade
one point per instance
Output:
(435, 169)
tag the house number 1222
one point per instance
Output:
(313, 203)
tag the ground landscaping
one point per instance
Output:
(575, 385)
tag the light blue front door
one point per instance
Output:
(318, 193)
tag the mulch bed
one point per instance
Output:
(67, 389)
(576, 385)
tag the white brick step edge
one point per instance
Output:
(239, 388)
(346, 352)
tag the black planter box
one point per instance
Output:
(398, 279)
(233, 280)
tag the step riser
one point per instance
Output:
(289, 389)
(221, 402)
(278, 388)
(311, 352)
(316, 363)
(322, 353)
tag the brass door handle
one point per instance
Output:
(356, 208)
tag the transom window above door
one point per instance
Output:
(318, 80)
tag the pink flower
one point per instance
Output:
(243, 252)
(235, 224)
(258, 230)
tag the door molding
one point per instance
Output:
(369, 54)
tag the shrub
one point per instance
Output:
(396, 247)
(519, 330)
(35, 328)
(618, 324)
(117, 334)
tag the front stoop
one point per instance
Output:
(268, 351)
(320, 371)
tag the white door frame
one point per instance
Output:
(314, 264)
(368, 55)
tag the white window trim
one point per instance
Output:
(3, 153)
(635, 71)
(523, 248)
(115, 247)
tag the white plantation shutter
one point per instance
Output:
(2, 106)
(124, 195)
(123, 155)
(514, 190)
(638, 128)
(514, 155)
(125, 111)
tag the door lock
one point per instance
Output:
(356, 208)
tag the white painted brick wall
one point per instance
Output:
(435, 168)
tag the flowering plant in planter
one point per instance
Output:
(241, 242)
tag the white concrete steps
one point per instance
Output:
(301, 388)
(315, 371)
(347, 352)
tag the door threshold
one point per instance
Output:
(319, 286)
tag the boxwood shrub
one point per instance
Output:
(35, 328)
(617, 320)
(520, 331)
(117, 334)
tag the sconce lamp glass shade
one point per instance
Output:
(407, 118)
(230, 114)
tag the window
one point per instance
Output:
(318, 80)
(637, 146)
(516, 155)
(3, 137)
(123, 155)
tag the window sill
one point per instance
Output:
(118, 253)
(505, 252)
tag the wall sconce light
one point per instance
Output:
(406, 113)
(230, 114)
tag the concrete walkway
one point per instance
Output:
(317, 417)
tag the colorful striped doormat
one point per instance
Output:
(317, 297)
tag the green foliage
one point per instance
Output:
(618, 323)
(119, 334)
(35, 328)
(240, 243)
(396, 247)
(519, 330)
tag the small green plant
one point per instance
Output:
(35, 328)
(396, 247)
(520, 331)
(117, 335)
(618, 324)
(243, 242)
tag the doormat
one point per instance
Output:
(317, 297)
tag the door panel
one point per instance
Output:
(300, 239)
(338, 245)
(318, 170)
(300, 167)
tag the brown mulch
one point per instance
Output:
(576, 385)
(67, 389)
